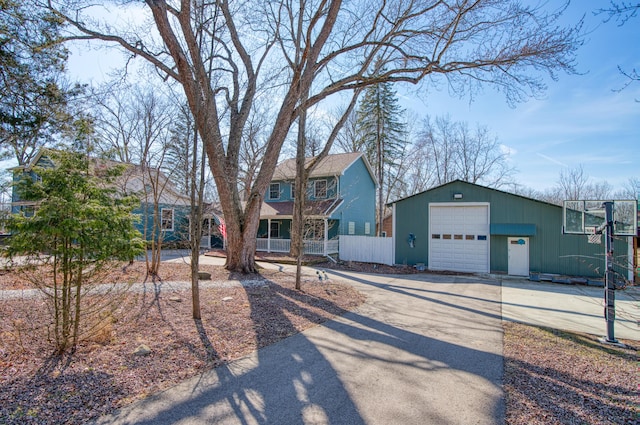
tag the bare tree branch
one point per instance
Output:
(328, 48)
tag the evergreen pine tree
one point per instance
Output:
(35, 102)
(381, 136)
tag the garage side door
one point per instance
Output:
(459, 238)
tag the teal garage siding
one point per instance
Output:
(550, 251)
(412, 219)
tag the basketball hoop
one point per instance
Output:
(595, 238)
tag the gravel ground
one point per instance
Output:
(550, 377)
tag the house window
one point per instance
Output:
(367, 228)
(274, 191)
(274, 229)
(293, 190)
(28, 210)
(352, 227)
(167, 219)
(320, 189)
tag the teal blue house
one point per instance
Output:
(340, 201)
(163, 214)
(465, 227)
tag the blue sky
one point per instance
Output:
(580, 121)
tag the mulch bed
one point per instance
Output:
(557, 377)
(104, 374)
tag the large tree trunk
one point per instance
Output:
(242, 229)
(241, 254)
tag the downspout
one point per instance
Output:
(393, 233)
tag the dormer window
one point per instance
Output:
(320, 189)
(274, 191)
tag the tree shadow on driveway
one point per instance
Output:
(381, 364)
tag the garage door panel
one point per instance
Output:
(455, 243)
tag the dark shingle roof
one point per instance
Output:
(332, 165)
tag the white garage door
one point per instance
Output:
(459, 238)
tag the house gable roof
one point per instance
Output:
(331, 165)
(131, 181)
(34, 161)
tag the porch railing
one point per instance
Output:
(311, 247)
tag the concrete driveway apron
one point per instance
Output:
(423, 349)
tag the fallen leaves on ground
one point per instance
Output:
(556, 377)
(104, 374)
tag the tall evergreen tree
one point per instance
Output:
(35, 99)
(381, 136)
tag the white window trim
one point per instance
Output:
(167, 229)
(273, 184)
(351, 228)
(326, 189)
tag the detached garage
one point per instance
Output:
(465, 227)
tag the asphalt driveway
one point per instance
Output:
(423, 349)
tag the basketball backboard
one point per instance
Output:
(586, 217)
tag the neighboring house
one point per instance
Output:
(387, 225)
(340, 200)
(465, 227)
(213, 233)
(151, 186)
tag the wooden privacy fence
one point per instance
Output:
(366, 249)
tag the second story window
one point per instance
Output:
(293, 190)
(320, 189)
(274, 191)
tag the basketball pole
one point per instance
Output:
(609, 292)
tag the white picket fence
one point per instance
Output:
(366, 249)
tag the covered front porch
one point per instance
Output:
(320, 236)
